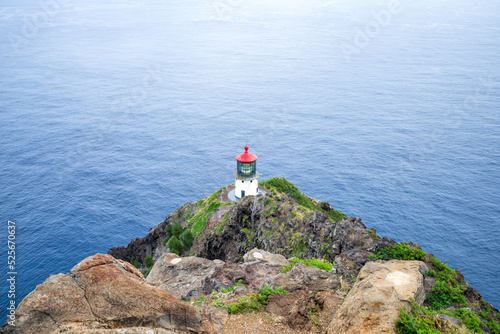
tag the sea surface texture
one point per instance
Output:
(114, 113)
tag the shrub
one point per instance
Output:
(492, 325)
(321, 264)
(177, 230)
(175, 245)
(447, 289)
(254, 302)
(134, 262)
(168, 231)
(148, 260)
(187, 238)
(399, 252)
(417, 323)
(469, 319)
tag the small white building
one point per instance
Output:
(246, 177)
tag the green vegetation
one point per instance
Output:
(492, 325)
(175, 245)
(148, 260)
(187, 238)
(373, 234)
(422, 320)
(318, 263)
(469, 319)
(447, 291)
(179, 238)
(280, 184)
(311, 314)
(205, 207)
(231, 288)
(255, 302)
(448, 288)
(134, 262)
(399, 252)
(199, 300)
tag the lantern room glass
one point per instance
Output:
(247, 169)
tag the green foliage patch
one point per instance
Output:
(421, 320)
(318, 263)
(282, 185)
(148, 261)
(491, 323)
(134, 262)
(175, 245)
(255, 302)
(447, 290)
(399, 252)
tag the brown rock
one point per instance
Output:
(182, 277)
(305, 277)
(103, 293)
(293, 306)
(261, 255)
(381, 289)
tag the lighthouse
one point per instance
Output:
(246, 176)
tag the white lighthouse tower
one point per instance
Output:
(246, 176)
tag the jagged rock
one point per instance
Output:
(293, 306)
(429, 283)
(381, 289)
(182, 277)
(304, 277)
(101, 293)
(216, 315)
(189, 277)
(261, 255)
(452, 321)
(274, 222)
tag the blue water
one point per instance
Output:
(115, 113)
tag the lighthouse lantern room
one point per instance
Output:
(246, 176)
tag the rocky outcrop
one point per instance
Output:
(274, 222)
(381, 289)
(104, 294)
(261, 255)
(303, 277)
(275, 225)
(183, 277)
(190, 277)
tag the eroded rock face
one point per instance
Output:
(182, 277)
(304, 277)
(261, 255)
(103, 293)
(381, 289)
(190, 277)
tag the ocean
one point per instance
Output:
(114, 113)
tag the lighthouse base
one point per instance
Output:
(232, 195)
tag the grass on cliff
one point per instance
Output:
(204, 209)
(449, 287)
(399, 252)
(282, 185)
(422, 320)
(178, 238)
(321, 264)
(447, 297)
(255, 302)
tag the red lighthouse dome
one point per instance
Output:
(246, 157)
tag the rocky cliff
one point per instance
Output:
(275, 263)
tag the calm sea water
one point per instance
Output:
(115, 113)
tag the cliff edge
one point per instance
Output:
(280, 262)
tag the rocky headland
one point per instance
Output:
(275, 263)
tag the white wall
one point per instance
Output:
(250, 187)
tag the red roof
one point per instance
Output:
(246, 157)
